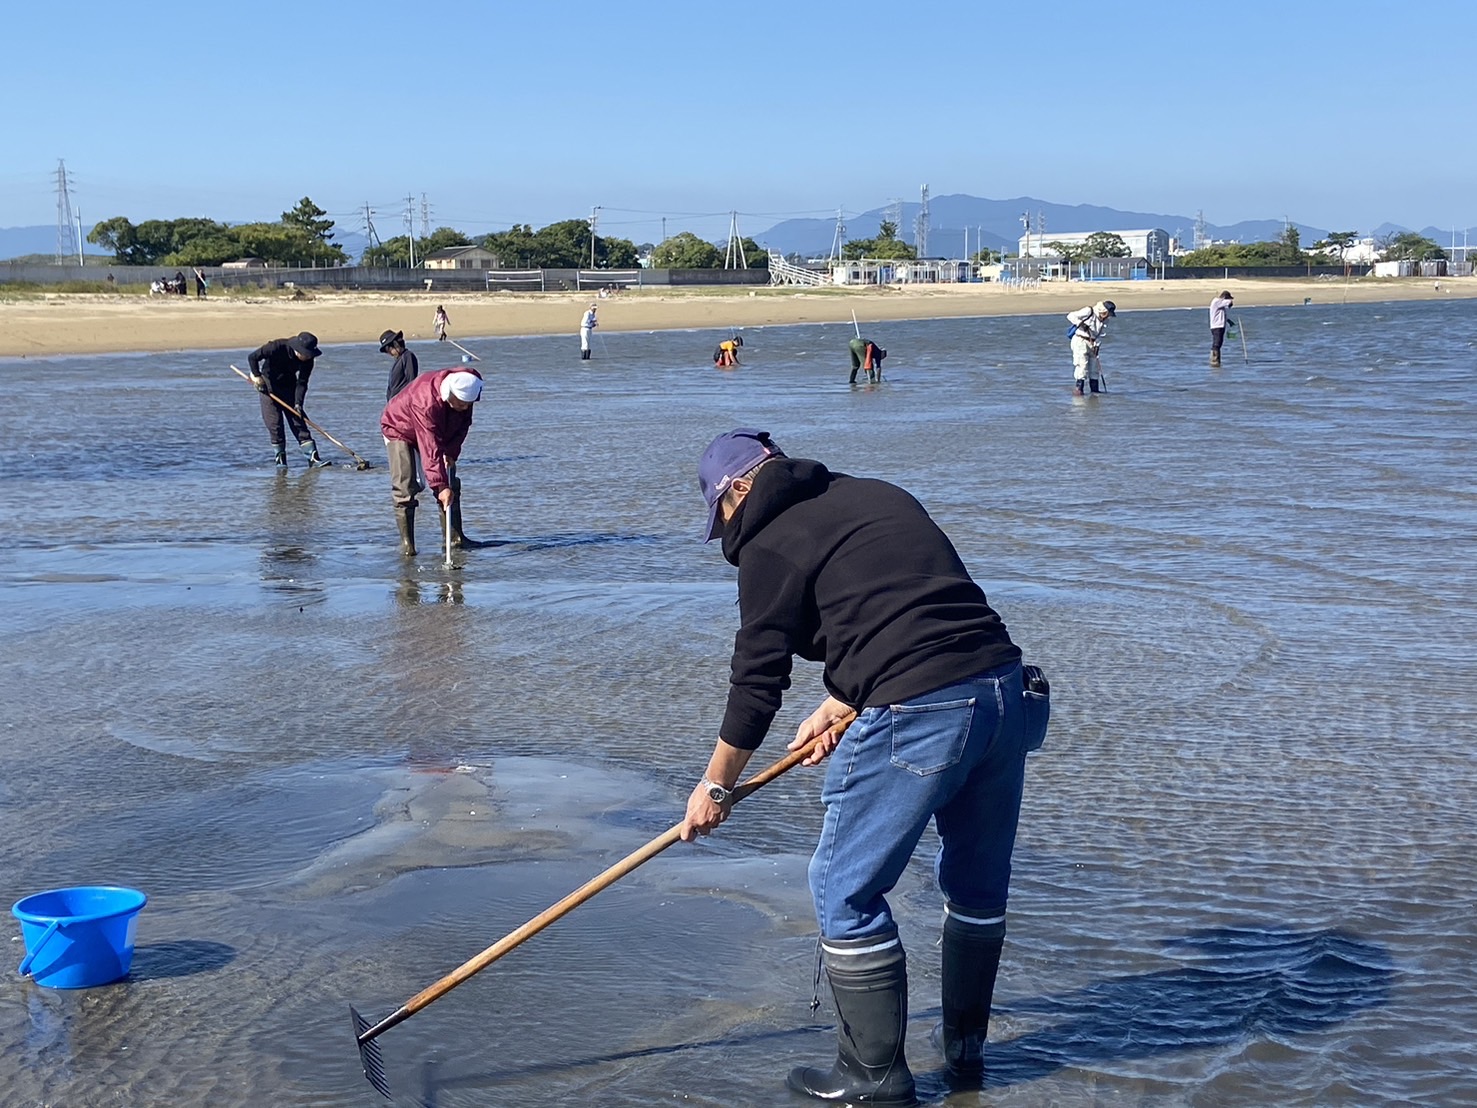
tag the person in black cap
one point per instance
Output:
(406, 366)
(725, 354)
(281, 368)
(1218, 321)
(929, 719)
(1088, 325)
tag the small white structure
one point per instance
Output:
(1153, 244)
(902, 271)
(461, 257)
(245, 263)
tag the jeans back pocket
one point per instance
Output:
(1036, 696)
(929, 738)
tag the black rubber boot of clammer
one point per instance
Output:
(971, 961)
(458, 536)
(315, 461)
(405, 521)
(869, 983)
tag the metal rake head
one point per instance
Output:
(370, 1056)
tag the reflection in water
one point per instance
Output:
(1243, 983)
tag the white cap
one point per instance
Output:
(464, 386)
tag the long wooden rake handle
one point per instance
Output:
(631, 861)
(358, 461)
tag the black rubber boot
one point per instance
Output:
(971, 960)
(314, 460)
(853, 378)
(458, 536)
(405, 521)
(870, 988)
(279, 459)
(1093, 385)
(1215, 359)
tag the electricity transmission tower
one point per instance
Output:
(895, 215)
(1200, 239)
(410, 225)
(68, 241)
(425, 218)
(920, 226)
(734, 258)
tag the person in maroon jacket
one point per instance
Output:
(429, 419)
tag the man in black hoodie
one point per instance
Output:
(926, 716)
(281, 368)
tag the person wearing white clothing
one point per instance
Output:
(587, 324)
(1089, 325)
(1218, 321)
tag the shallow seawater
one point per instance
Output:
(1244, 868)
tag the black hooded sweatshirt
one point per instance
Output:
(851, 572)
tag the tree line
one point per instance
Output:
(304, 235)
(1287, 249)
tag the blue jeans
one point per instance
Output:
(955, 755)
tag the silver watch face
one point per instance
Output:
(718, 793)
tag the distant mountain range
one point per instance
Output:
(997, 224)
(992, 223)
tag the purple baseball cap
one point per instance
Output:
(729, 456)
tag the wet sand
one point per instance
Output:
(82, 323)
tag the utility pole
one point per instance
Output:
(594, 219)
(838, 240)
(664, 228)
(1026, 224)
(64, 214)
(79, 237)
(371, 236)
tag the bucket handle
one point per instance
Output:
(25, 966)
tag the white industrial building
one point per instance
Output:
(1152, 245)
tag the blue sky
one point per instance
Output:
(1342, 115)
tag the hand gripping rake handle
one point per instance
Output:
(365, 1033)
(359, 463)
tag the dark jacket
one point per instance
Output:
(402, 373)
(851, 572)
(286, 375)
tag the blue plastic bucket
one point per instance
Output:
(79, 937)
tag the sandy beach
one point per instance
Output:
(44, 324)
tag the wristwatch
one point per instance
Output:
(716, 792)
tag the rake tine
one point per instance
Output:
(370, 1055)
